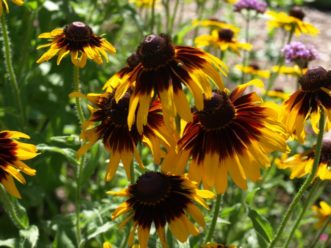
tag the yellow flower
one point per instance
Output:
(230, 1)
(143, 3)
(254, 70)
(160, 69)
(278, 93)
(162, 199)
(306, 102)
(292, 20)
(106, 245)
(223, 39)
(4, 5)
(214, 245)
(289, 70)
(78, 40)
(301, 164)
(322, 213)
(11, 154)
(215, 23)
(108, 122)
(232, 134)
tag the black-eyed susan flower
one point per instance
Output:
(314, 94)
(106, 245)
(162, 70)
(293, 21)
(216, 23)
(4, 5)
(289, 70)
(12, 152)
(232, 134)
(254, 70)
(322, 213)
(278, 93)
(162, 199)
(302, 164)
(78, 40)
(108, 122)
(223, 39)
(143, 3)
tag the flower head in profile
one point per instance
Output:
(295, 70)
(216, 23)
(78, 40)
(162, 71)
(292, 21)
(12, 152)
(299, 53)
(322, 213)
(223, 39)
(143, 3)
(254, 70)
(306, 102)
(108, 122)
(257, 5)
(232, 134)
(162, 199)
(302, 164)
(4, 5)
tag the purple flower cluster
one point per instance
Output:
(299, 53)
(258, 6)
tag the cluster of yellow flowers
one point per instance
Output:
(225, 133)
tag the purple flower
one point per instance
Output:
(258, 6)
(299, 53)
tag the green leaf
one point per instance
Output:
(14, 209)
(31, 235)
(261, 225)
(8, 243)
(70, 154)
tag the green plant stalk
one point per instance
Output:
(10, 68)
(173, 17)
(280, 63)
(306, 183)
(166, 6)
(246, 53)
(211, 230)
(80, 166)
(318, 235)
(307, 204)
(79, 109)
(152, 17)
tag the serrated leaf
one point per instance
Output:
(261, 225)
(31, 235)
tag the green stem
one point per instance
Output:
(10, 68)
(166, 6)
(306, 183)
(214, 220)
(317, 237)
(80, 166)
(308, 203)
(280, 63)
(247, 18)
(173, 17)
(153, 17)
(79, 109)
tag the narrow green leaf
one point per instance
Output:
(70, 154)
(261, 225)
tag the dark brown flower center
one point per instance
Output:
(218, 111)
(7, 149)
(314, 79)
(155, 51)
(297, 13)
(151, 187)
(116, 112)
(255, 66)
(225, 35)
(133, 60)
(78, 32)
